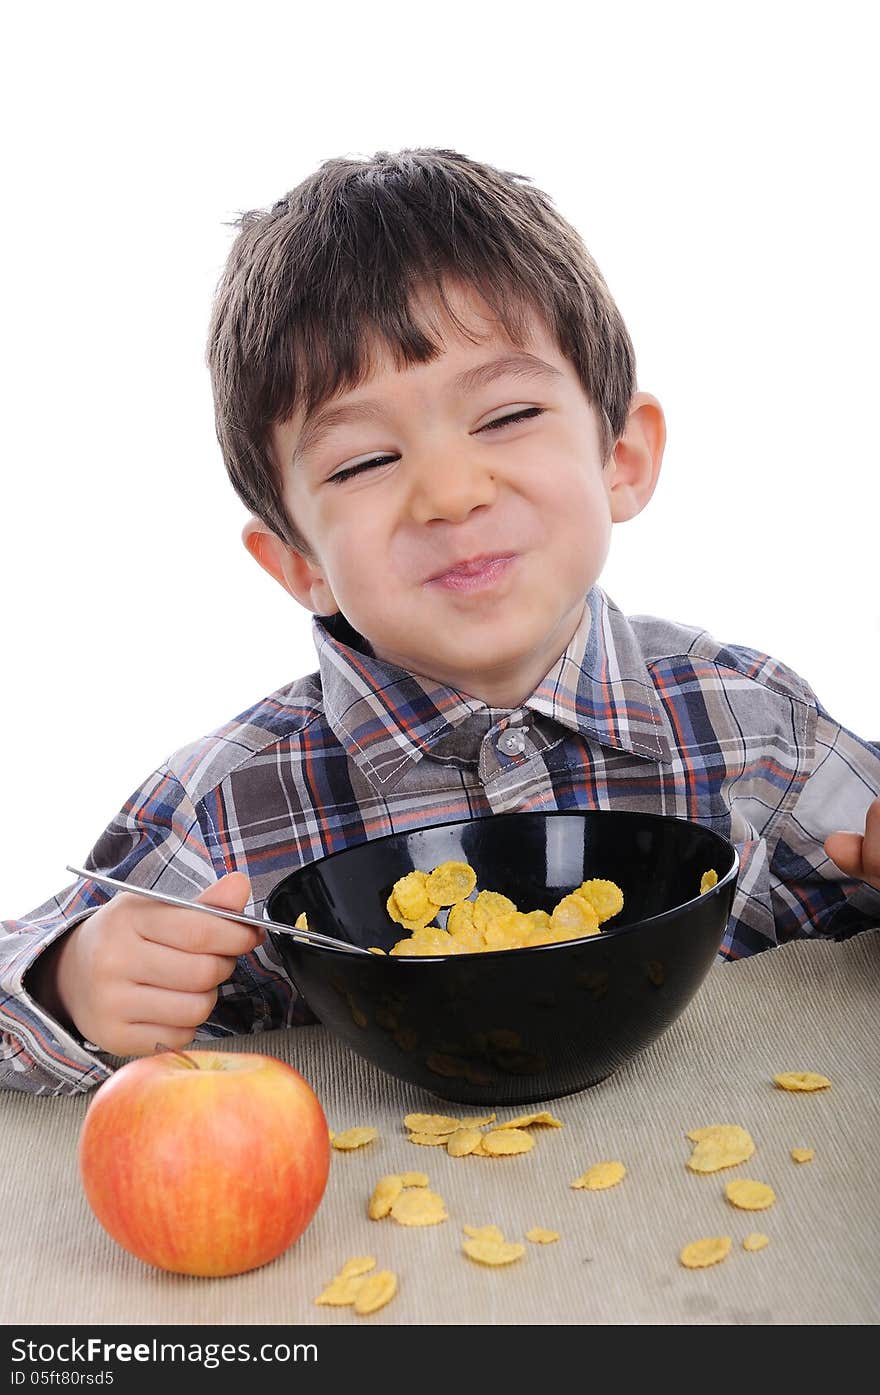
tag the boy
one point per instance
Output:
(426, 397)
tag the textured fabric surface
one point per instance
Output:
(807, 1006)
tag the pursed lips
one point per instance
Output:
(486, 567)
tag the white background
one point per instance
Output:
(720, 163)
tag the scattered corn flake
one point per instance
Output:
(600, 1176)
(719, 1146)
(340, 1292)
(525, 1121)
(803, 1155)
(462, 1142)
(506, 1142)
(385, 1192)
(347, 1284)
(376, 1291)
(354, 1138)
(361, 1264)
(749, 1195)
(707, 881)
(414, 1179)
(374, 949)
(301, 923)
(490, 908)
(539, 1236)
(480, 1123)
(493, 1252)
(431, 1123)
(801, 1080)
(450, 883)
(755, 1240)
(699, 1254)
(418, 1206)
(483, 1232)
(428, 1140)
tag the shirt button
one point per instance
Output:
(512, 743)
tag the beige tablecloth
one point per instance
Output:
(805, 1007)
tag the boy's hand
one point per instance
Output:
(859, 855)
(136, 974)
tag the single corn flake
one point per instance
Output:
(484, 1232)
(539, 1236)
(600, 1176)
(606, 898)
(480, 1123)
(490, 907)
(418, 1206)
(354, 1138)
(414, 1179)
(802, 1155)
(460, 920)
(575, 916)
(801, 1080)
(462, 1142)
(748, 1195)
(707, 881)
(428, 1140)
(701, 1253)
(431, 1123)
(755, 1240)
(507, 1141)
(719, 1146)
(385, 1192)
(411, 897)
(450, 883)
(493, 1252)
(301, 923)
(525, 1121)
(376, 1291)
(374, 949)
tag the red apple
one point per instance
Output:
(205, 1162)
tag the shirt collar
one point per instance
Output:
(387, 718)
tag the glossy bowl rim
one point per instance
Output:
(615, 932)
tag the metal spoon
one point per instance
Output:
(312, 937)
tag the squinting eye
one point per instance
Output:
(524, 415)
(527, 414)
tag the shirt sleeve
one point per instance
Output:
(156, 840)
(811, 895)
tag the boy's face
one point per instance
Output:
(460, 545)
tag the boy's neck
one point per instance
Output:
(506, 689)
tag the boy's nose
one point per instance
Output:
(449, 487)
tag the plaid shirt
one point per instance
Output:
(637, 714)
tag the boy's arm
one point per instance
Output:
(825, 867)
(155, 840)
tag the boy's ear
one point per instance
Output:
(636, 459)
(301, 576)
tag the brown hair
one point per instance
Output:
(336, 265)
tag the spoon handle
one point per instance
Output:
(312, 937)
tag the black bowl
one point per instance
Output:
(519, 1025)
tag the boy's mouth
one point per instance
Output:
(473, 574)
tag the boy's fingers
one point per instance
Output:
(161, 966)
(187, 930)
(845, 849)
(186, 1010)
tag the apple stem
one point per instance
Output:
(160, 1046)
